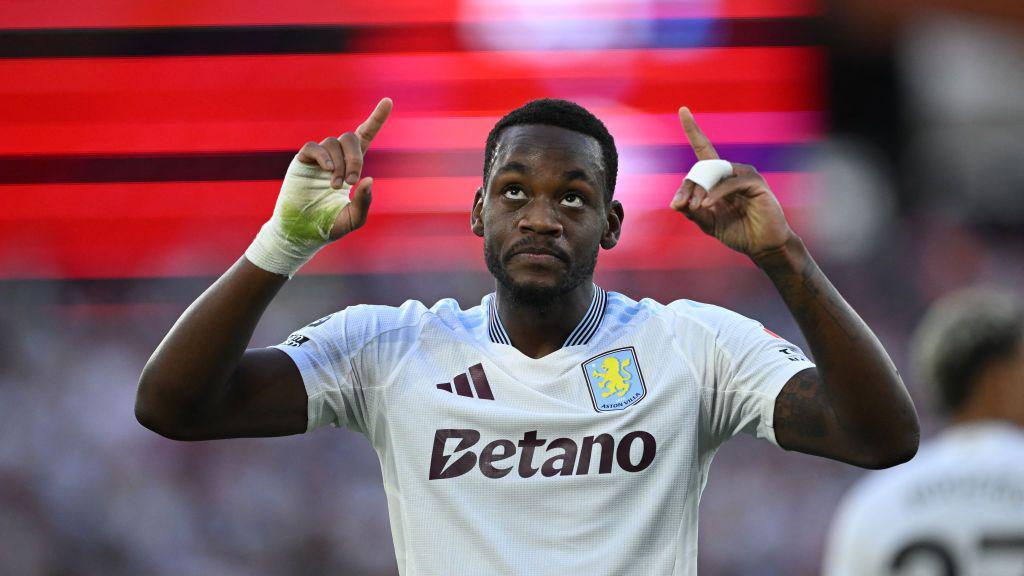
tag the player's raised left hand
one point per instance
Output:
(740, 211)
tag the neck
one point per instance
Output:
(995, 395)
(971, 416)
(537, 330)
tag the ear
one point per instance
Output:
(614, 229)
(476, 215)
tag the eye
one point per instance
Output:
(514, 192)
(572, 200)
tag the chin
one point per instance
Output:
(537, 286)
(536, 294)
(519, 280)
(536, 289)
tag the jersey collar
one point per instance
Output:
(582, 334)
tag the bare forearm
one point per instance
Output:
(189, 369)
(861, 384)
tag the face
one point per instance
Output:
(542, 213)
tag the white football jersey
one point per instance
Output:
(590, 460)
(956, 509)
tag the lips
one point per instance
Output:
(537, 251)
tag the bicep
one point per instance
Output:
(265, 396)
(805, 422)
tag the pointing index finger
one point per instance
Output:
(698, 141)
(369, 128)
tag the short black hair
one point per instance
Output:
(562, 114)
(962, 334)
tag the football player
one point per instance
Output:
(958, 508)
(555, 428)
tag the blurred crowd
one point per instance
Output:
(922, 197)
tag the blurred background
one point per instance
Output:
(141, 147)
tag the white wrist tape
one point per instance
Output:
(301, 224)
(707, 173)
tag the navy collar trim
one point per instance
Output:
(582, 334)
(494, 328)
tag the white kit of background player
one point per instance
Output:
(957, 509)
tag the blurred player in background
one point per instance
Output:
(556, 428)
(958, 508)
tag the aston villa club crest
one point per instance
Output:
(615, 380)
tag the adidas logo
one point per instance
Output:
(463, 387)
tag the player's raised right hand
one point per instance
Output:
(317, 203)
(341, 160)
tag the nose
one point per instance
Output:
(540, 217)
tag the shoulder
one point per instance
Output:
(708, 316)
(356, 326)
(871, 511)
(963, 460)
(698, 318)
(365, 323)
(677, 310)
(878, 487)
(881, 493)
(867, 520)
(689, 323)
(377, 318)
(685, 315)
(622, 309)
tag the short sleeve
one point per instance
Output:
(742, 367)
(347, 358)
(320, 351)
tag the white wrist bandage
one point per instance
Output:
(707, 173)
(301, 224)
